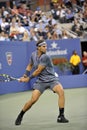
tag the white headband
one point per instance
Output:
(42, 43)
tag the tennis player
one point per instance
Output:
(44, 71)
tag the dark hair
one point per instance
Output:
(74, 52)
(40, 41)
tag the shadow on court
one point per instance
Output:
(43, 115)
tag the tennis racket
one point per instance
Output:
(7, 78)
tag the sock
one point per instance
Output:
(22, 113)
(61, 111)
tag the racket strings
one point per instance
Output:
(5, 78)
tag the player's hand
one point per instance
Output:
(25, 76)
(23, 79)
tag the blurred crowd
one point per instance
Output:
(22, 24)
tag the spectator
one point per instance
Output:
(40, 25)
(0, 18)
(33, 35)
(7, 37)
(84, 61)
(55, 36)
(4, 25)
(8, 18)
(62, 14)
(52, 21)
(38, 14)
(4, 11)
(85, 15)
(64, 34)
(2, 36)
(68, 3)
(80, 2)
(49, 36)
(21, 29)
(14, 10)
(13, 31)
(77, 27)
(69, 16)
(23, 9)
(32, 22)
(25, 21)
(53, 4)
(75, 61)
(44, 18)
(26, 36)
(39, 19)
(57, 30)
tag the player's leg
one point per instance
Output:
(35, 96)
(61, 103)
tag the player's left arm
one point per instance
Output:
(38, 70)
(34, 74)
(41, 66)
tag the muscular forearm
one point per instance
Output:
(38, 71)
(29, 67)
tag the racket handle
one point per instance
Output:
(18, 80)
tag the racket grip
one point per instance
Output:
(18, 80)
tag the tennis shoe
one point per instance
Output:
(18, 120)
(62, 119)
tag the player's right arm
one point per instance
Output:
(25, 77)
(28, 69)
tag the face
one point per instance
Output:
(75, 53)
(85, 53)
(43, 48)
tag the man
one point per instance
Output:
(84, 61)
(46, 78)
(75, 61)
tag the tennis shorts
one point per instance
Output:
(42, 86)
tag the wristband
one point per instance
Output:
(31, 76)
(27, 73)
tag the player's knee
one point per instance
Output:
(60, 92)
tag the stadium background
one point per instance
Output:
(43, 115)
(16, 69)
